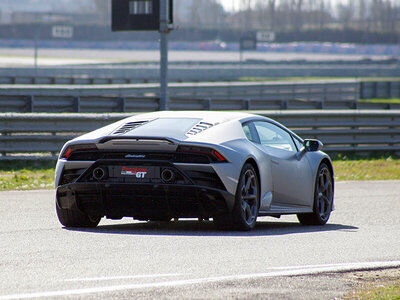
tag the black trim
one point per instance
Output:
(136, 138)
(174, 157)
(144, 201)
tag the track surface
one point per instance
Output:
(186, 259)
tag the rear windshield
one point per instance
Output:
(168, 127)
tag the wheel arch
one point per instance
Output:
(328, 162)
(253, 162)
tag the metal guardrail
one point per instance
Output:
(186, 73)
(368, 89)
(340, 131)
(379, 89)
(144, 97)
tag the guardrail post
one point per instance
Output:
(30, 103)
(362, 86)
(375, 89)
(77, 104)
(122, 107)
(246, 103)
(4, 134)
(207, 104)
(389, 89)
(284, 104)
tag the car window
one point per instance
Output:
(250, 132)
(273, 136)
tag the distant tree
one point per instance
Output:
(272, 9)
(103, 9)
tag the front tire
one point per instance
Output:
(75, 218)
(247, 199)
(323, 199)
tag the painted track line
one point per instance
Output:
(290, 271)
(123, 277)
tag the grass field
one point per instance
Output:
(26, 175)
(393, 100)
(40, 174)
(385, 293)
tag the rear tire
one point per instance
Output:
(247, 199)
(323, 199)
(75, 218)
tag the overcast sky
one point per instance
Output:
(228, 4)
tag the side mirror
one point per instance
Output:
(312, 145)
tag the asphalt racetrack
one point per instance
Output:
(24, 57)
(191, 260)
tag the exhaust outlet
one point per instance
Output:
(168, 175)
(99, 174)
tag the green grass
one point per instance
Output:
(32, 175)
(367, 169)
(382, 293)
(392, 100)
(26, 175)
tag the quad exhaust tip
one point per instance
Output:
(99, 174)
(168, 175)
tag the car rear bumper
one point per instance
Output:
(144, 201)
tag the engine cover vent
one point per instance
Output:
(200, 127)
(129, 126)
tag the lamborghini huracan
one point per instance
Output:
(230, 167)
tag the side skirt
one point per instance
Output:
(284, 210)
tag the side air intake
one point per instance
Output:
(128, 127)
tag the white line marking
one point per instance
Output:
(123, 277)
(306, 270)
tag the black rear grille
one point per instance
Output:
(171, 157)
(208, 179)
(70, 175)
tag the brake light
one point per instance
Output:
(218, 156)
(212, 154)
(69, 151)
(80, 147)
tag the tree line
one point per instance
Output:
(292, 15)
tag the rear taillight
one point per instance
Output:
(212, 154)
(80, 147)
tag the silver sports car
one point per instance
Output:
(228, 166)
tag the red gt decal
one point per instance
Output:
(139, 173)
